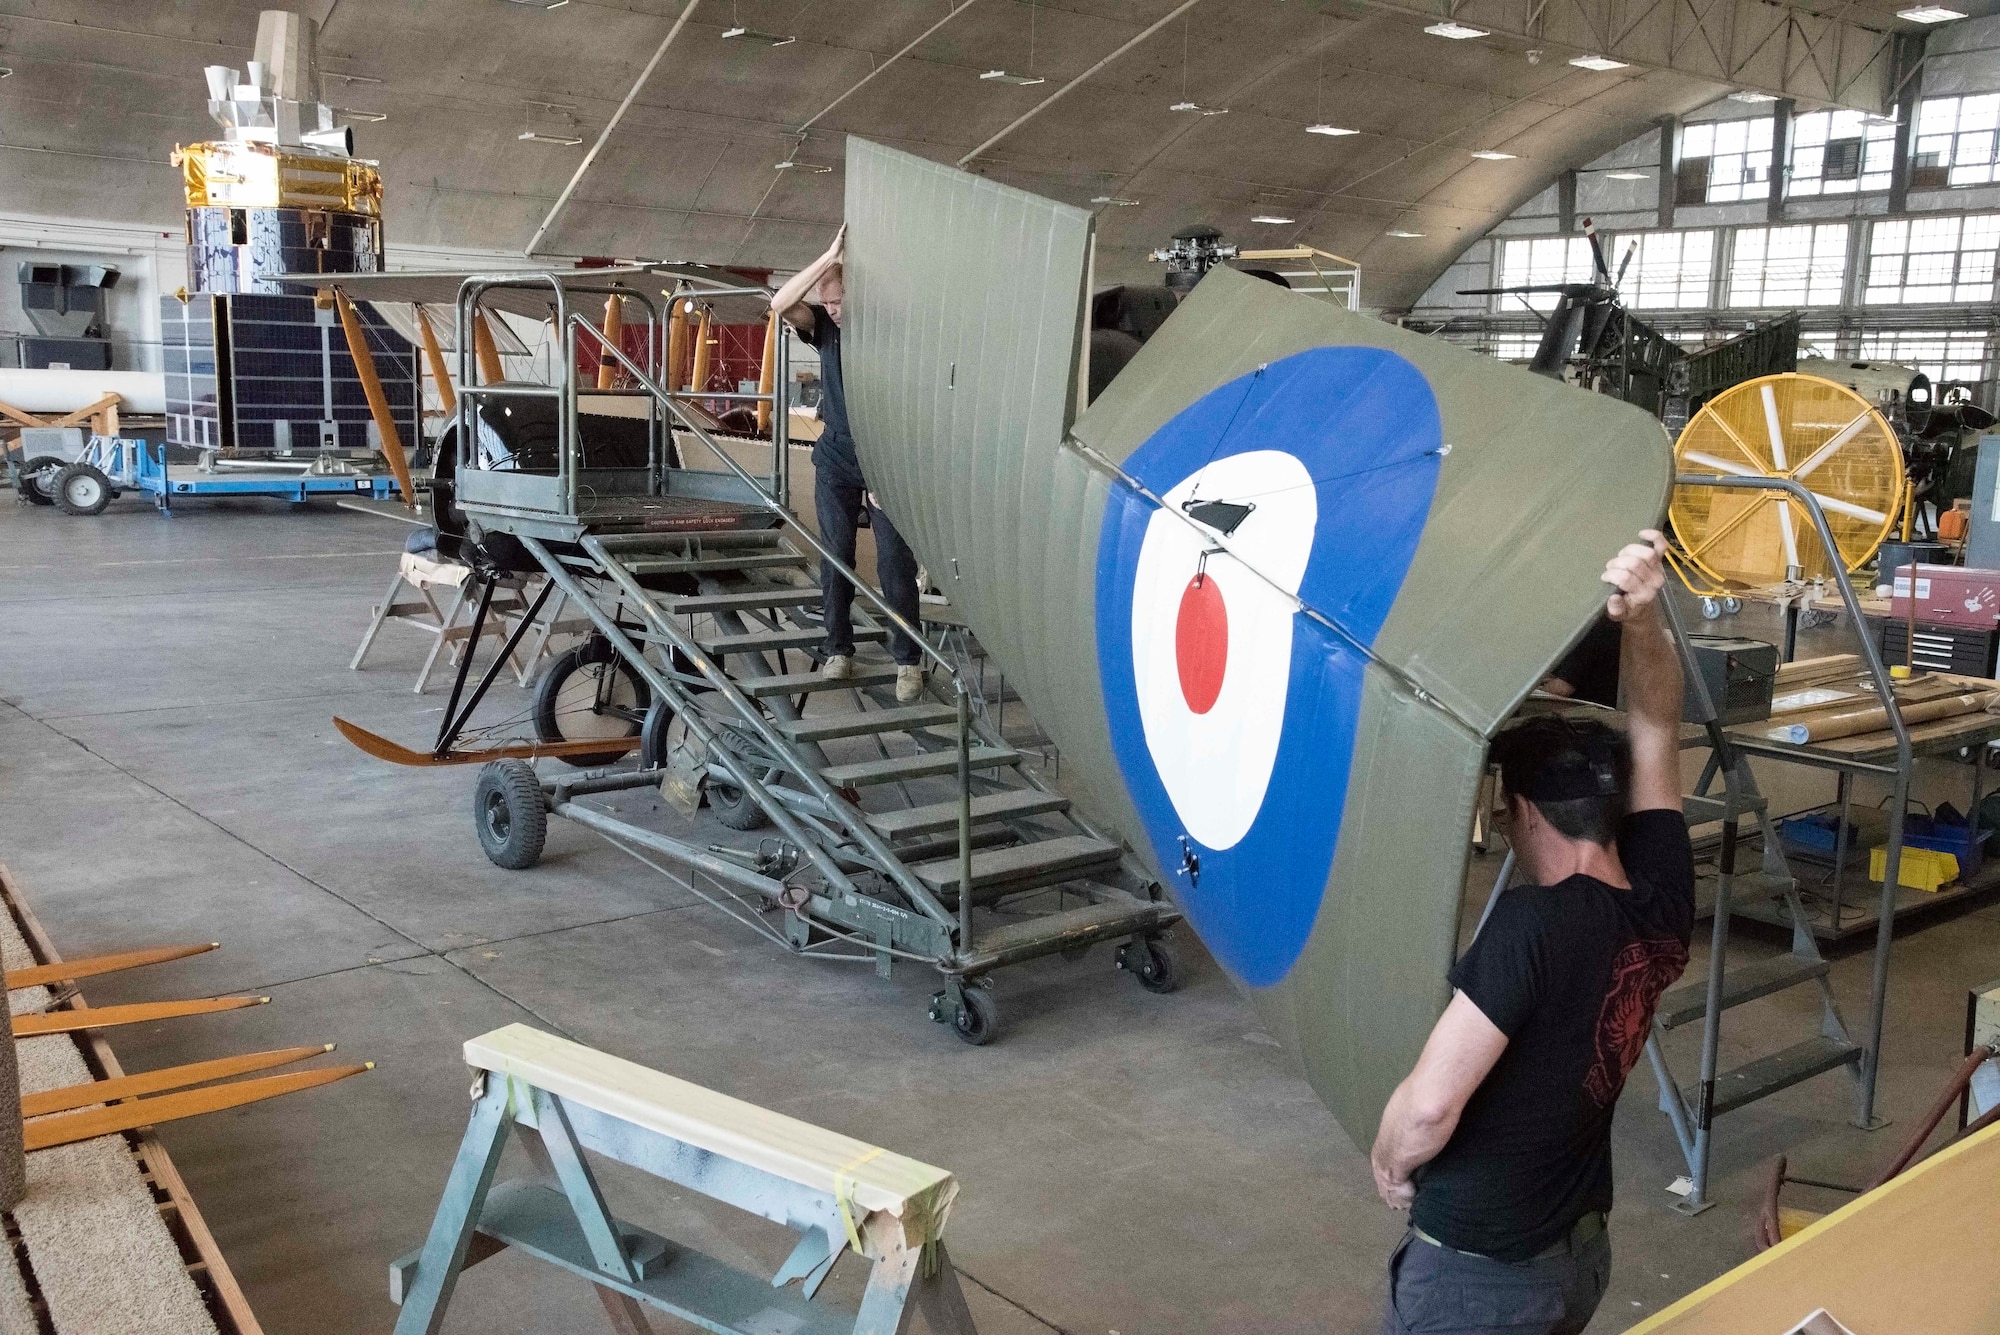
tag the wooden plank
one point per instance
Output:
(41, 975)
(397, 754)
(102, 1017)
(13, 414)
(49, 1132)
(154, 1082)
(85, 414)
(812, 1156)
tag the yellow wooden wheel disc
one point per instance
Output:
(1813, 431)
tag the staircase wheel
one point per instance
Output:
(82, 490)
(1154, 962)
(653, 736)
(43, 467)
(508, 812)
(734, 807)
(977, 1020)
(567, 698)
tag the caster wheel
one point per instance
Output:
(1711, 609)
(590, 694)
(978, 1017)
(1153, 962)
(38, 476)
(82, 490)
(1732, 605)
(508, 812)
(733, 807)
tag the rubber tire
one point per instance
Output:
(734, 807)
(549, 688)
(1155, 964)
(509, 814)
(85, 473)
(28, 487)
(978, 1018)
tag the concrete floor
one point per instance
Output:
(1130, 1163)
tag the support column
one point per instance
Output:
(1781, 158)
(1670, 169)
(1907, 72)
(1566, 203)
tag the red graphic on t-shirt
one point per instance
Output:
(1641, 972)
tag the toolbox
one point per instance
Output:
(1942, 648)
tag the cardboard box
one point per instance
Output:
(1949, 595)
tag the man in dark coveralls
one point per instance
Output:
(1499, 1140)
(839, 491)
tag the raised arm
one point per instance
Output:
(789, 301)
(1649, 670)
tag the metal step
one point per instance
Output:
(1689, 1002)
(1010, 805)
(675, 565)
(1022, 866)
(761, 640)
(799, 683)
(777, 595)
(1767, 1075)
(862, 722)
(1705, 810)
(750, 539)
(1067, 929)
(922, 765)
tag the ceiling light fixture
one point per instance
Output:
(1598, 63)
(1114, 201)
(372, 117)
(1492, 155)
(1752, 96)
(1199, 108)
(555, 4)
(1929, 14)
(349, 78)
(1629, 176)
(1187, 103)
(1272, 218)
(6, 72)
(537, 137)
(1406, 235)
(754, 37)
(1017, 80)
(1332, 130)
(1458, 32)
(793, 164)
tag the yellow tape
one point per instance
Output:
(841, 1197)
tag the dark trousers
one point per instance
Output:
(1435, 1290)
(839, 505)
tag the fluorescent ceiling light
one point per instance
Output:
(1018, 80)
(1333, 130)
(1491, 154)
(537, 137)
(753, 36)
(1629, 176)
(372, 117)
(555, 4)
(349, 78)
(792, 164)
(1272, 218)
(1406, 235)
(1929, 14)
(1748, 95)
(1598, 63)
(1458, 32)
(6, 72)
(1115, 201)
(1199, 109)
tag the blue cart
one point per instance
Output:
(110, 465)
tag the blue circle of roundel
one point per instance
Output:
(1364, 424)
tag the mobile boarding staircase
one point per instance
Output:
(699, 582)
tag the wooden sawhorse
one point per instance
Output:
(511, 601)
(836, 1192)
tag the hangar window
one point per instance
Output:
(1788, 266)
(1958, 142)
(1959, 356)
(1544, 259)
(1933, 259)
(1840, 153)
(1671, 271)
(1738, 154)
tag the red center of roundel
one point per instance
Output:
(1201, 642)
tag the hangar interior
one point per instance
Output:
(463, 871)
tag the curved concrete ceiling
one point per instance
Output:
(100, 96)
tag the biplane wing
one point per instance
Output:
(1271, 593)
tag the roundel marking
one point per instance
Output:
(1233, 716)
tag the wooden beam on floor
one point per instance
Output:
(70, 1097)
(101, 1017)
(67, 1130)
(43, 975)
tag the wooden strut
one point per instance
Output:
(677, 332)
(767, 375)
(397, 754)
(100, 1017)
(704, 336)
(447, 396)
(70, 1097)
(614, 334)
(67, 1130)
(488, 354)
(42, 975)
(378, 402)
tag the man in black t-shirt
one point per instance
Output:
(1499, 1141)
(839, 491)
